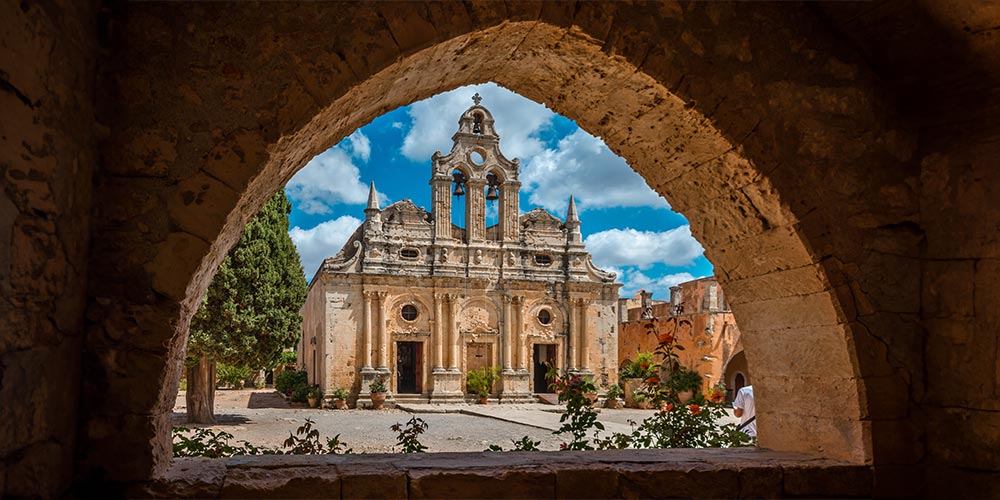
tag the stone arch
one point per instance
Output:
(669, 89)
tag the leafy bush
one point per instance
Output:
(378, 385)
(643, 367)
(407, 438)
(315, 392)
(523, 444)
(211, 444)
(683, 379)
(288, 358)
(300, 393)
(306, 441)
(614, 391)
(580, 415)
(288, 380)
(481, 381)
(341, 394)
(231, 376)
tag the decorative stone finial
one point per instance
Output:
(477, 98)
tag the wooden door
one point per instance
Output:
(478, 356)
(408, 369)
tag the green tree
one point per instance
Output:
(251, 309)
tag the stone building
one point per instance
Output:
(421, 300)
(704, 325)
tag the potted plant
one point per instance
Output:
(378, 391)
(481, 382)
(684, 382)
(314, 395)
(340, 399)
(633, 375)
(641, 399)
(611, 396)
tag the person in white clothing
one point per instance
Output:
(745, 411)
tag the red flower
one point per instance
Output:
(665, 338)
(695, 409)
(716, 396)
(653, 381)
(668, 407)
(562, 446)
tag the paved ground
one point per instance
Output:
(263, 418)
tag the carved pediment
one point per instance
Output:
(405, 212)
(540, 219)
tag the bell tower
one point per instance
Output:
(476, 169)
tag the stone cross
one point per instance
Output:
(477, 99)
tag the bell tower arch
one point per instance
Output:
(477, 169)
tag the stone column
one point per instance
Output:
(583, 335)
(520, 342)
(508, 340)
(383, 337)
(453, 335)
(367, 333)
(574, 337)
(437, 341)
(475, 209)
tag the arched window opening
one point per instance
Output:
(459, 182)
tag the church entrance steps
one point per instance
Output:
(548, 399)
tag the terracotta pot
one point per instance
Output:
(312, 402)
(340, 404)
(484, 400)
(612, 403)
(643, 405)
(378, 399)
(685, 396)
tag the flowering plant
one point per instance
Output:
(378, 385)
(580, 414)
(716, 393)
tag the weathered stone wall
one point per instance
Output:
(960, 183)
(48, 56)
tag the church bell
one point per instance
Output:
(492, 194)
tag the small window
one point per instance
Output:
(543, 260)
(409, 253)
(477, 158)
(544, 317)
(409, 312)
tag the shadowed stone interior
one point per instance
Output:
(836, 161)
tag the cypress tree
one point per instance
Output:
(250, 312)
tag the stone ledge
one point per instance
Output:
(687, 473)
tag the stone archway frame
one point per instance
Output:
(610, 70)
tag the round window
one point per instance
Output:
(544, 317)
(477, 158)
(409, 312)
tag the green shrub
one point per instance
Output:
(643, 367)
(288, 358)
(481, 381)
(288, 380)
(231, 376)
(300, 393)
(341, 394)
(684, 379)
(614, 392)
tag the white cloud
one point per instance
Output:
(359, 145)
(660, 285)
(435, 120)
(629, 247)
(322, 241)
(332, 177)
(397, 125)
(582, 166)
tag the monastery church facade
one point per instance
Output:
(422, 301)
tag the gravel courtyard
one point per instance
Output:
(263, 418)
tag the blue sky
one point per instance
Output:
(627, 226)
